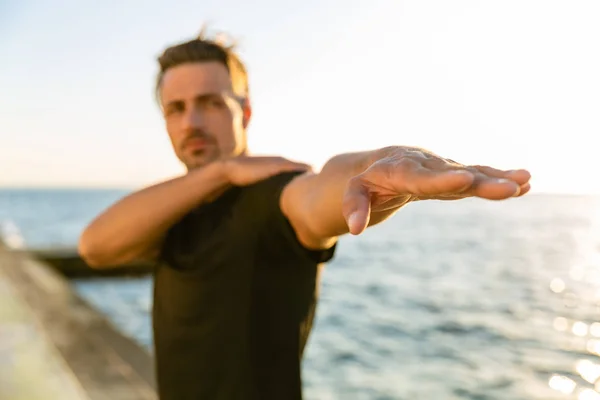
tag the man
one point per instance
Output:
(240, 240)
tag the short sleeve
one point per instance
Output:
(274, 227)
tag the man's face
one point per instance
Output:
(204, 119)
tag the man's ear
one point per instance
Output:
(247, 110)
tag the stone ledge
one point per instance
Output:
(108, 365)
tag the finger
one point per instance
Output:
(494, 188)
(293, 166)
(356, 206)
(427, 182)
(299, 165)
(520, 176)
(524, 189)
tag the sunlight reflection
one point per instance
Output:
(589, 394)
(562, 384)
(593, 276)
(579, 292)
(593, 346)
(571, 300)
(561, 324)
(588, 370)
(580, 329)
(577, 273)
(595, 329)
(557, 285)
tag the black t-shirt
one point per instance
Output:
(234, 300)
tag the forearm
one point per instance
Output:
(135, 226)
(316, 200)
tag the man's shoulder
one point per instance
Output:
(265, 194)
(278, 230)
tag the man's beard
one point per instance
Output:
(201, 159)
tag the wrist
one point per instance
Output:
(224, 168)
(213, 177)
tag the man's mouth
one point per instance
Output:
(196, 144)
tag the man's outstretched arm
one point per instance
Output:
(354, 191)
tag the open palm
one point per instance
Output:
(410, 173)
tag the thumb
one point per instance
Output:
(296, 166)
(356, 206)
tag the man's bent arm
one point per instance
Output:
(313, 202)
(134, 227)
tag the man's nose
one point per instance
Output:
(193, 119)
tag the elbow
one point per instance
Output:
(92, 254)
(87, 255)
(99, 253)
(312, 233)
(92, 262)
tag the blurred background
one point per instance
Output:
(467, 300)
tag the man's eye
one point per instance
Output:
(217, 102)
(174, 110)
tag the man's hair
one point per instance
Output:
(205, 49)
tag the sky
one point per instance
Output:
(511, 84)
